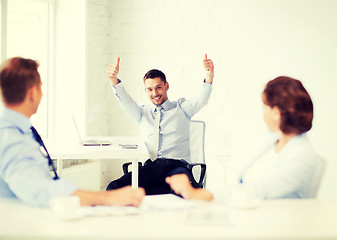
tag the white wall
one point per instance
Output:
(70, 67)
(25, 31)
(250, 42)
(104, 116)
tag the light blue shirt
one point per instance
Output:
(289, 175)
(24, 170)
(174, 127)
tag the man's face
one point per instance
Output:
(156, 89)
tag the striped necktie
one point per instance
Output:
(38, 138)
(154, 151)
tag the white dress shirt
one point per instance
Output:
(174, 125)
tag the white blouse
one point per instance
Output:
(257, 170)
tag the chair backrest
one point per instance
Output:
(197, 144)
(316, 179)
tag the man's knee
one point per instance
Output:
(179, 170)
(112, 185)
(123, 181)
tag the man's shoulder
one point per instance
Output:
(173, 104)
(180, 101)
(4, 124)
(145, 106)
(9, 130)
(10, 141)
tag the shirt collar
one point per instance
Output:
(17, 119)
(166, 106)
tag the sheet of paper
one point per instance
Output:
(165, 202)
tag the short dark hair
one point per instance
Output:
(294, 102)
(17, 75)
(154, 73)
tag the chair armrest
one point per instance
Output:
(125, 166)
(195, 183)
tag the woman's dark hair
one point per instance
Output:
(17, 75)
(294, 102)
(154, 73)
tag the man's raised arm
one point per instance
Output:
(128, 104)
(209, 67)
(112, 72)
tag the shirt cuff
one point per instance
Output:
(114, 86)
(208, 86)
(117, 87)
(206, 82)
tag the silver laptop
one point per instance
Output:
(90, 142)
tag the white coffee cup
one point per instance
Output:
(66, 208)
(242, 195)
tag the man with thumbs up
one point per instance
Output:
(164, 125)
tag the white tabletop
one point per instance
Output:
(63, 150)
(73, 150)
(273, 219)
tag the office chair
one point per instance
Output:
(197, 167)
(317, 177)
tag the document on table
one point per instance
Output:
(149, 203)
(165, 202)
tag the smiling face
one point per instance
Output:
(156, 89)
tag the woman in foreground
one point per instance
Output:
(284, 168)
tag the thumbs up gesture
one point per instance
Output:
(112, 72)
(209, 68)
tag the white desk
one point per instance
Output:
(73, 150)
(274, 219)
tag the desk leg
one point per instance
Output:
(134, 177)
(59, 167)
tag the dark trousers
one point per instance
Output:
(152, 176)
